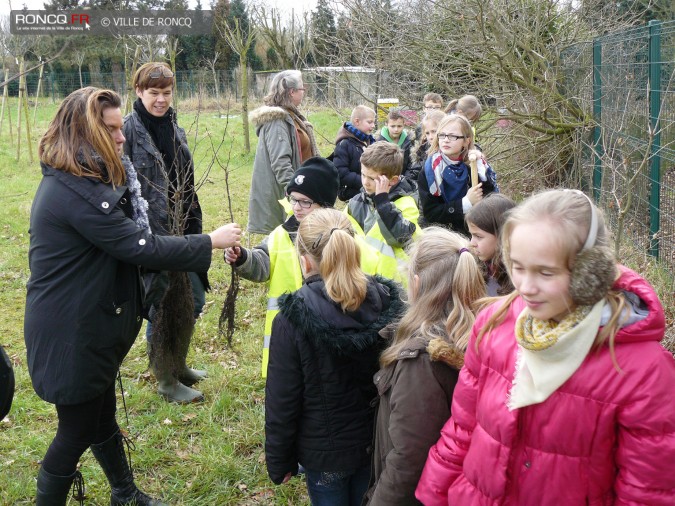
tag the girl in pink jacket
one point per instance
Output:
(565, 397)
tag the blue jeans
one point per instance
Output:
(337, 488)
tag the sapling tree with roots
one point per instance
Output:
(173, 320)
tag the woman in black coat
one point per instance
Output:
(323, 354)
(89, 234)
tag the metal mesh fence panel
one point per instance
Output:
(627, 79)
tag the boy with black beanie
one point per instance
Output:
(275, 260)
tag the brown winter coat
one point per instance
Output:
(415, 393)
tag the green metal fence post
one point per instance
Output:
(655, 124)
(597, 115)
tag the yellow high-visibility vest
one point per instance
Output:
(389, 259)
(285, 277)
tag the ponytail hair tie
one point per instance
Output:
(462, 250)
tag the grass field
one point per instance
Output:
(205, 454)
(210, 453)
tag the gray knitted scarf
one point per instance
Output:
(138, 203)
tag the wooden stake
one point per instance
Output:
(5, 101)
(37, 94)
(473, 161)
(18, 114)
(26, 114)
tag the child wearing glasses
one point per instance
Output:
(159, 151)
(445, 190)
(386, 208)
(432, 102)
(274, 261)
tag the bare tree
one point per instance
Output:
(79, 57)
(211, 64)
(240, 42)
(509, 53)
(290, 38)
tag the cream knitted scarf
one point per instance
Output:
(548, 354)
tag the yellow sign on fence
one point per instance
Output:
(383, 106)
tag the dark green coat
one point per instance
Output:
(83, 305)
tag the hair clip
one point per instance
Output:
(317, 242)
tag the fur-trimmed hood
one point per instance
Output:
(313, 313)
(438, 349)
(267, 114)
(442, 351)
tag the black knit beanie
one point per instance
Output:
(318, 180)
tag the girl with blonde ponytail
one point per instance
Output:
(323, 354)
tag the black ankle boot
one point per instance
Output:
(53, 490)
(110, 455)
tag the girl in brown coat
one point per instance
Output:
(419, 369)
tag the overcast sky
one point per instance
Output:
(285, 5)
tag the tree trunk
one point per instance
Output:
(244, 99)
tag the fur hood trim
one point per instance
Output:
(442, 351)
(339, 339)
(267, 114)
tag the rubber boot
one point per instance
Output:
(53, 490)
(189, 376)
(174, 391)
(110, 455)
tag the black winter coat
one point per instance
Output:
(83, 304)
(319, 381)
(157, 190)
(154, 176)
(434, 210)
(347, 160)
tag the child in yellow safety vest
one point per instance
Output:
(386, 210)
(275, 261)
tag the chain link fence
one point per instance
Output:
(628, 163)
(189, 83)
